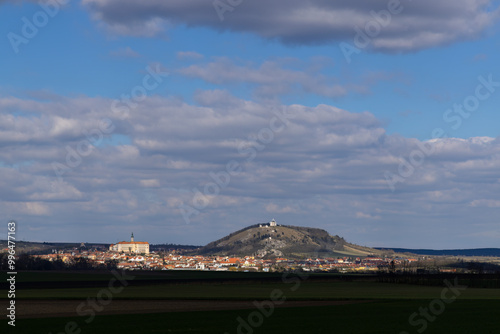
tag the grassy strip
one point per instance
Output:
(64, 276)
(305, 291)
(460, 317)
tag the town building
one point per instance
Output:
(137, 247)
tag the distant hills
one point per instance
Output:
(38, 247)
(265, 240)
(448, 252)
(269, 241)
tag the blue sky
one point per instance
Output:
(339, 162)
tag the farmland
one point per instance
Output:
(258, 303)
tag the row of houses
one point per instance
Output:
(136, 255)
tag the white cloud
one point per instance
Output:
(150, 183)
(273, 208)
(36, 209)
(322, 166)
(416, 25)
(126, 52)
(363, 215)
(189, 55)
(285, 77)
(270, 77)
(490, 203)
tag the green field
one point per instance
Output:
(336, 290)
(388, 310)
(64, 276)
(376, 317)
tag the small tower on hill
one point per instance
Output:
(132, 237)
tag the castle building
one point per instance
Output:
(137, 247)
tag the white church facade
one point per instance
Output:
(272, 223)
(137, 247)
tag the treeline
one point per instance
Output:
(477, 267)
(487, 281)
(29, 262)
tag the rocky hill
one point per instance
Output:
(283, 241)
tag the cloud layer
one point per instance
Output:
(412, 26)
(317, 166)
(256, 134)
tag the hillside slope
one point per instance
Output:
(283, 241)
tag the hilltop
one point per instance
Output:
(265, 240)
